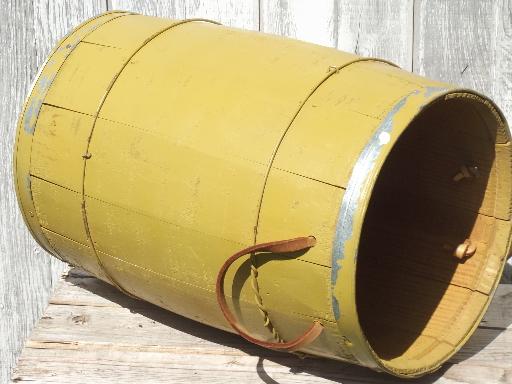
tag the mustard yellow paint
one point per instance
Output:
(150, 149)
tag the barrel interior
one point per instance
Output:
(439, 186)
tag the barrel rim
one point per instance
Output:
(351, 216)
(36, 95)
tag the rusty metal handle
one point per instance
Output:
(283, 246)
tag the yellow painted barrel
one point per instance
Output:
(150, 151)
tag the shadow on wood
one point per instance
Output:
(500, 317)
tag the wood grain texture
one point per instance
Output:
(28, 31)
(312, 21)
(502, 83)
(92, 332)
(367, 28)
(172, 9)
(455, 41)
(380, 29)
(235, 13)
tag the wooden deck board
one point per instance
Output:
(92, 332)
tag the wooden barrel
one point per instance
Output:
(306, 198)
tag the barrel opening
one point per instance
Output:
(416, 298)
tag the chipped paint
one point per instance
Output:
(358, 179)
(335, 307)
(27, 124)
(44, 82)
(349, 204)
(32, 111)
(384, 138)
(28, 182)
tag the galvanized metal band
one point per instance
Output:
(358, 185)
(87, 155)
(34, 107)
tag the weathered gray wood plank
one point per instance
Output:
(28, 31)
(93, 332)
(502, 84)
(455, 41)
(172, 9)
(236, 13)
(312, 21)
(368, 28)
(380, 29)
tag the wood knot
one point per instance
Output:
(79, 319)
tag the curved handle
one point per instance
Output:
(283, 246)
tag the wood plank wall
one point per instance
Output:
(28, 31)
(468, 42)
